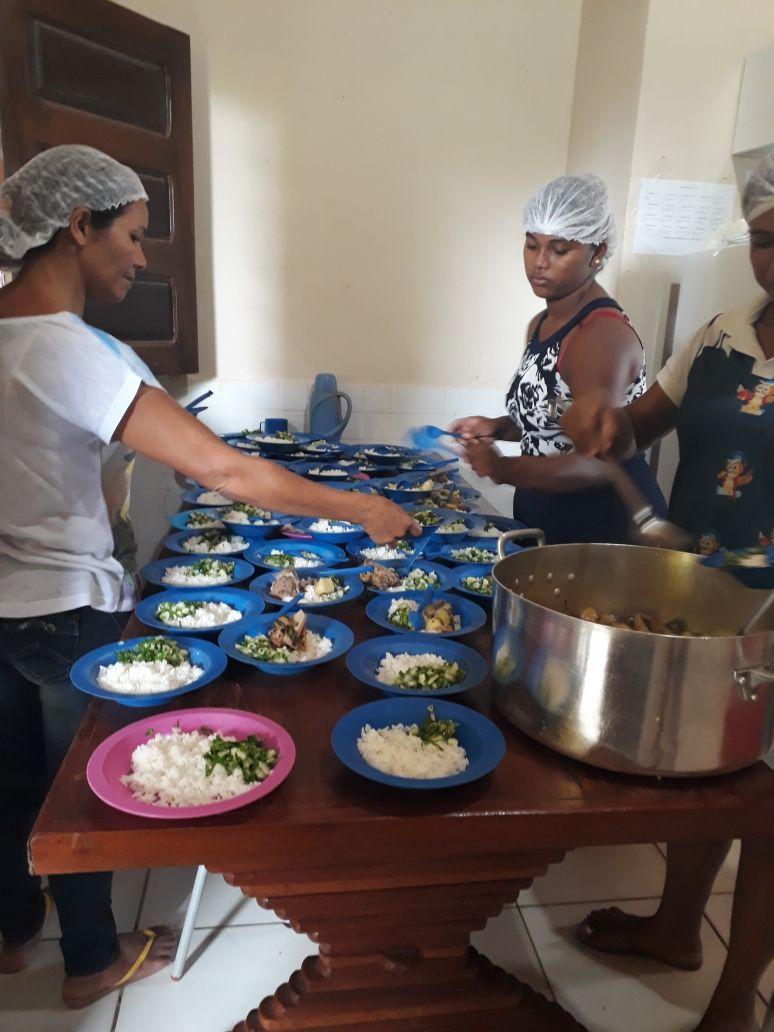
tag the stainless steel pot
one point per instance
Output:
(627, 700)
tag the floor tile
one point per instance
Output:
(127, 893)
(32, 1000)
(608, 993)
(719, 913)
(599, 872)
(230, 971)
(169, 889)
(506, 942)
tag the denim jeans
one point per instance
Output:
(39, 714)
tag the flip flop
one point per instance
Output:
(84, 1001)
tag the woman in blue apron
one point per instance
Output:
(581, 342)
(718, 394)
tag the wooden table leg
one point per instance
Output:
(395, 950)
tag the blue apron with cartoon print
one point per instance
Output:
(724, 488)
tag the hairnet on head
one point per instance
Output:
(37, 200)
(573, 208)
(758, 194)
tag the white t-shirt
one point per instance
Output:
(64, 389)
(731, 330)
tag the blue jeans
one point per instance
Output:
(40, 712)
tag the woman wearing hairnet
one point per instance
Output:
(581, 342)
(72, 222)
(718, 394)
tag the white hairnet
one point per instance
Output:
(573, 208)
(758, 194)
(37, 200)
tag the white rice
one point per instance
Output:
(213, 498)
(493, 532)
(311, 598)
(401, 603)
(452, 528)
(385, 552)
(299, 561)
(329, 527)
(392, 665)
(395, 750)
(179, 577)
(211, 614)
(211, 523)
(199, 545)
(237, 516)
(320, 470)
(143, 678)
(169, 770)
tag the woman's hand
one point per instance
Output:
(384, 521)
(485, 460)
(471, 427)
(599, 429)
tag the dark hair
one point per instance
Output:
(99, 220)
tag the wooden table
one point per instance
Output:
(389, 884)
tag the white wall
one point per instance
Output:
(366, 164)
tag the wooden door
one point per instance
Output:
(92, 72)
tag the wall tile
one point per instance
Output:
(377, 397)
(294, 394)
(234, 394)
(418, 400)
(264, 394)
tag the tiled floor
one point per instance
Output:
(239, 954)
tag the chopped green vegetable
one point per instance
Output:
(473, 554)
(288, 559)
(154, 650)
(481, 585)
(168, 612)
(427, 518)
(430, 677)
(420, 580)
(259, 647)
(201, 519)
(251, 511)
(211, 567)
(249, 755)
(436, 732)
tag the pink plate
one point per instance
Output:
(112, 759)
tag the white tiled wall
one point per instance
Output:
(380, 413)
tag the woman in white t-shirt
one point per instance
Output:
(718, 394)
(72, 222)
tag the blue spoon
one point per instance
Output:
(289, 605)
(415, 619)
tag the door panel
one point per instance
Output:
(92, 72)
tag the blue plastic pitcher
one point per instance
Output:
(325, 418)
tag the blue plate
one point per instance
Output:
(340, 635)
(271, 448)
(442, 539)
(402, 495)
(154, 572)
(180, 520)
(335, 537)
(471, 616)
(503, 524)
(237, 598)
(174, 542)
(204, 654)
(479, 737)
(359, 486)
(260, 587)
(191, 497)
(331, 451)
(329, 555)
(474, 570)
(445, 578)
(336, 474)
(259, 531)
(363, 661)
(384, 454)
(355, 548)
(446, 552)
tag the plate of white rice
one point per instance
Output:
(206, 542)
(192, 572)
(158, 767)
(417, 664)
(381, 741)
(197, 611)
(148, 671)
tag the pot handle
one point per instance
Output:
(750, 679)
(519, 535)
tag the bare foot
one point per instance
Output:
(612, 931)
(14, 959)
(80, 991)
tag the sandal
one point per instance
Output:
(75, 1003)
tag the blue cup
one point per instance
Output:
(274, 426)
